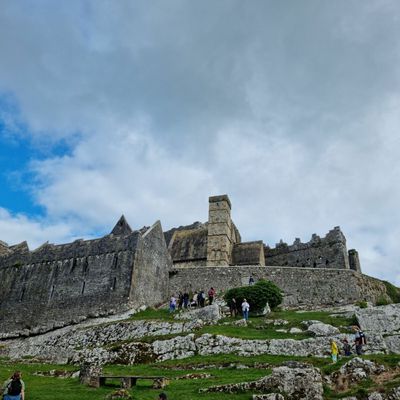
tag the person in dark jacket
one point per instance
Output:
(14, 388)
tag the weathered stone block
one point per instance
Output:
(215, 216)
(221, 199)
(220, 228)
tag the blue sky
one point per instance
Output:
(292, 108)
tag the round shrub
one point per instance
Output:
(257, 295)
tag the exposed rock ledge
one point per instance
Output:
(105, 344)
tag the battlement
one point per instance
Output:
(335, 235)
(327, 252)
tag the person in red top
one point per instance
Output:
(211, 295)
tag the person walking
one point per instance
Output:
(211, 295)
(185, 300)
(172, 304)
(14, 388)
(201, 298)
(346, 347)
(180, 300)
(359, 339)
(233, 307)
(245, 309)
(195, 300)
(334, 351)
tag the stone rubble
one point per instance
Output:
(276, 322)
(355, 371)
(321, 329)
(269, 396)
(208, 313)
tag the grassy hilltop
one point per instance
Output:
(204, 371)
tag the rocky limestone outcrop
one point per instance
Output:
(299, 382)
(393, 344)
(382, 319)
(72, 343)
(355, 371)
(208, 313)
(393, 394)
(107, 349)
(321, 329)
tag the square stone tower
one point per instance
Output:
(219, 238)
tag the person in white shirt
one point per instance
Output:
(172, 304)
(245, 309)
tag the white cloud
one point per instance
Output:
(290, 109)
(124, 173)
(17, 228)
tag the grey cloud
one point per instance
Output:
(290, 107)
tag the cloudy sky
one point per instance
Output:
(147, 108)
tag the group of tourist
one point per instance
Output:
(359, 342)
(185, 300)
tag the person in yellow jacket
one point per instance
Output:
(334, 350)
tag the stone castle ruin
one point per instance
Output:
(218, 243)
(57, 285)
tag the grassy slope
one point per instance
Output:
(70, 389)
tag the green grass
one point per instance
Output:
(251, 332)
(295, 318)
(162, 314)
(392, 291)
(47, 388)
(257, 329)
(360, 391)
(51, 388)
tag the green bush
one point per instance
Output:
(382, 301)
(392, 291)
(362, 304)
(257, 295)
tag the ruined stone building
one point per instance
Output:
(56, 285)
(218, 242)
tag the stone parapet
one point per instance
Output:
(327, 252)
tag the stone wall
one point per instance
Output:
(150, 279)
(57, 285)
(327, 252)
(248, 253)
(301, 286)
(354, 261)
(189, 246)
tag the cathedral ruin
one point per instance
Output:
(57, 285)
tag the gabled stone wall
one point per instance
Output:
(58, 285)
